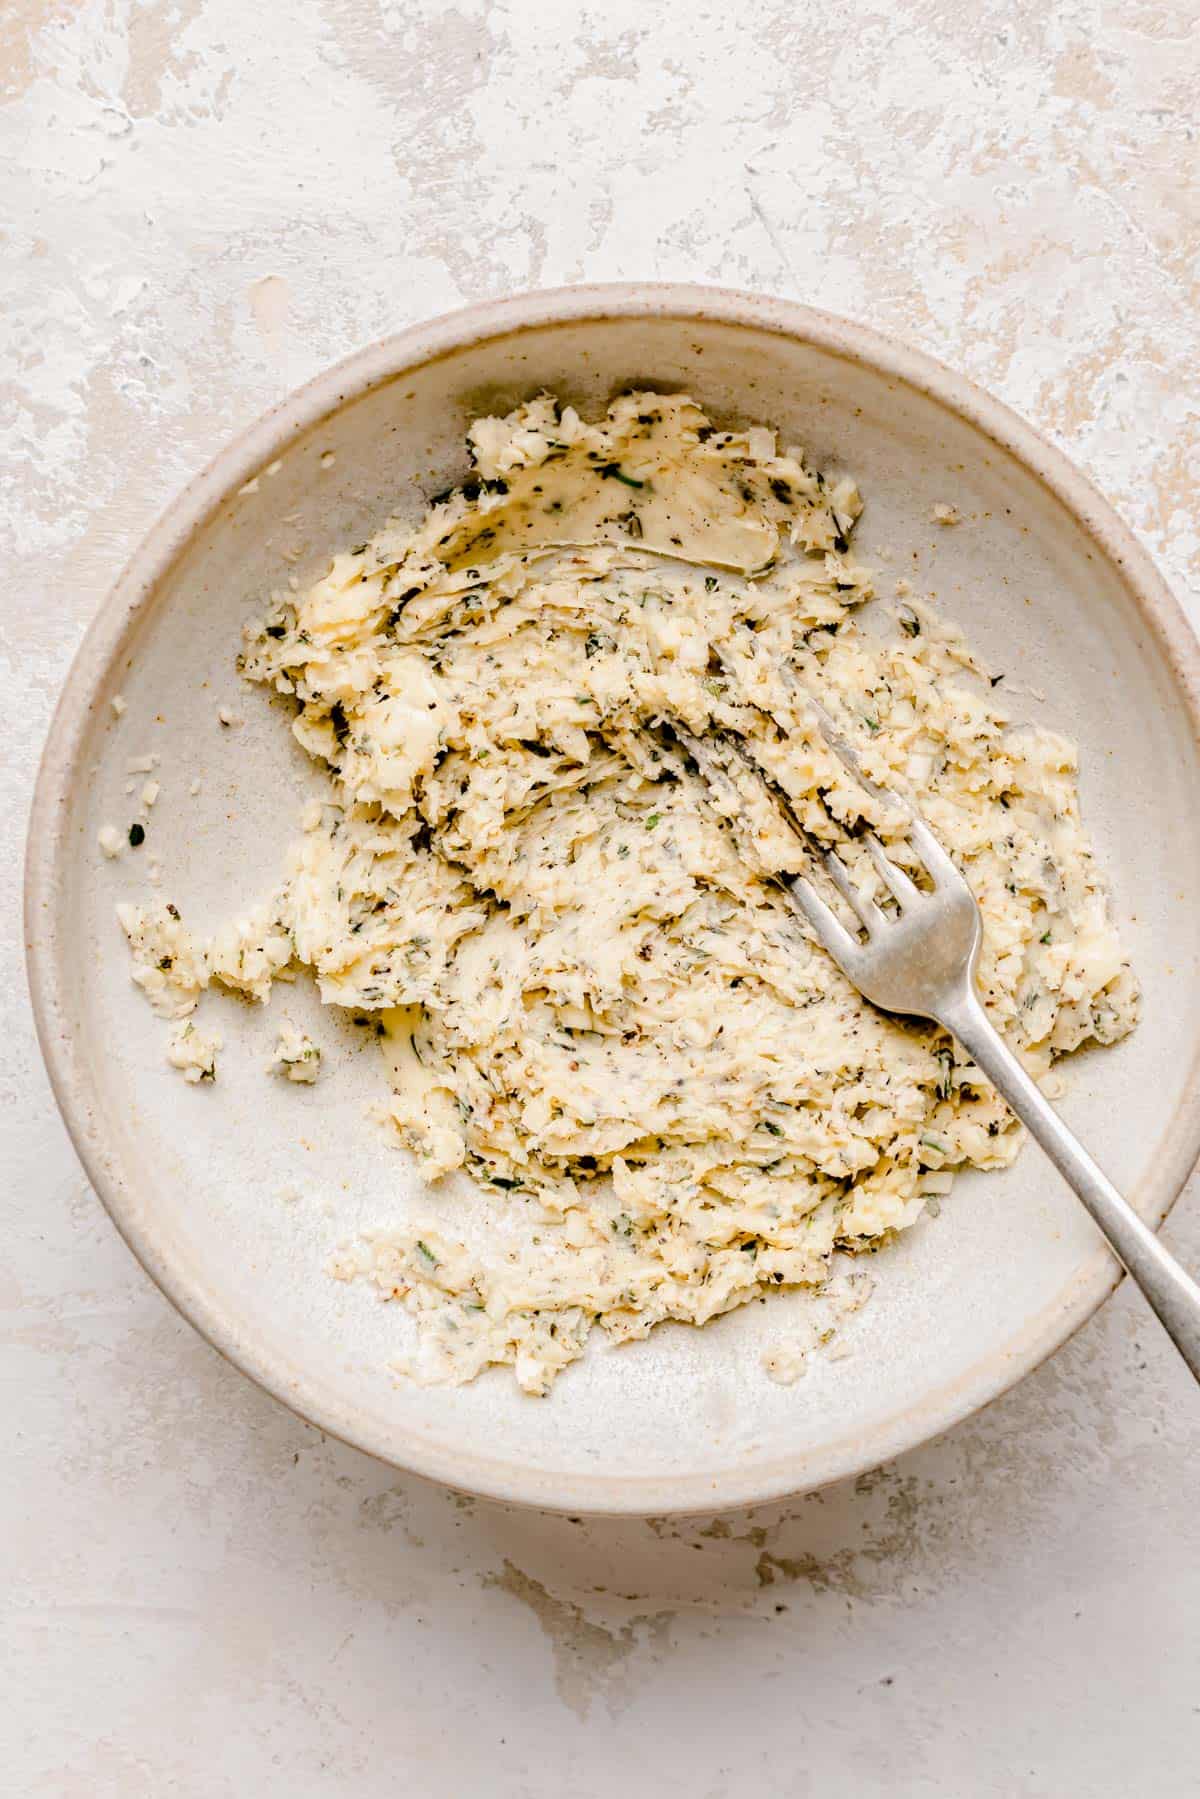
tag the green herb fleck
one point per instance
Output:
(613, 471)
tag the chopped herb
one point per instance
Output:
(996, 680)
(1045, 937)
(401, 603)
(502, 1180)
(654, 818)
(768, 1124)
(339, 721)
(613, 471)
(276, 631)
(137, 836)
(427, 1253)
(710, 584)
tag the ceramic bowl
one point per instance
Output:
(234, 1196)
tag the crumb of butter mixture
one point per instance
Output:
(194, 1052)
(173, 967)
(597, 1004)
(297, 1057)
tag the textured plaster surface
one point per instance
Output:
(204, 202)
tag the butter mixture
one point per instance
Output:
(598, 1003)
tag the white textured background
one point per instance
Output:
(203, 203)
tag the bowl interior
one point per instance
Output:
(235, 1195)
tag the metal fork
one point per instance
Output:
(921, 962)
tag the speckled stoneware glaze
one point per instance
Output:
(234, 1196)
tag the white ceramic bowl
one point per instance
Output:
(233, 1196)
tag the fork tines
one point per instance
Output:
(713, 754)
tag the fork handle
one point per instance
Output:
(1171, 1291)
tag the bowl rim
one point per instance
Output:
(48, 846)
